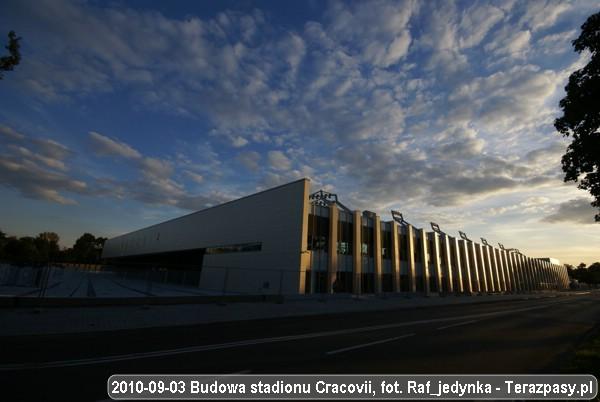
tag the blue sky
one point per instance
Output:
(124, 114)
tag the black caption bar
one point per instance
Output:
(357, 387)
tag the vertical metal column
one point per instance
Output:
(481, 271)
(424, 260)
(395, 257)
(332, 265)
(457, 263)
(411, 258)
(437, 262)
(357, 253)
(466, 267)
(475, 281)
(377, 253)
(500, 267)
(445, 242)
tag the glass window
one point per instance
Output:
(235, 248)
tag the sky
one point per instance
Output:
(125, 114)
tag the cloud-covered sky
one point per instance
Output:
(124, 114)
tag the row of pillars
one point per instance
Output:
(466, 267)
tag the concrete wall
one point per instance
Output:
(277, 218)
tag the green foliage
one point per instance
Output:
(585, 274)
(44, 248)
(88, 248)
(581, 115)
(8, 63)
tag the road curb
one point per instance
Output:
(16, 302)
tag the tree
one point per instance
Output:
(581, 115)
(8, 63)
(3, 240)
(21, 250)
(47, 246)
(88, 248)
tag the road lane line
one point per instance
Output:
(259, 341)
(365, 345)
(457, 325)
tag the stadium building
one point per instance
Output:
(287, 241)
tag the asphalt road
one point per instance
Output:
(530, 336)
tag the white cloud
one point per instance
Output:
(197, 178)
(104, 145)
(541, 14)
(37, 168)
(476, 22)
(509, 43)
(278, 161)
(577, 210)
(250, 160)
(10, 133)
(239, 142)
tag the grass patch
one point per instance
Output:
(586, 359)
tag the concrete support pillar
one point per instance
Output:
(523, 270)
(481, 268)
(475, 280)
(437, 261)
(465, 261)
(526, 273)
(492, 269)
(561, 276)
(457, 264)
(517, 278)
(500, 267)
(377, 253)
(395, 257)
(536, 282)
(447, 262)
(332, 265)
(507, 270)
(357, 253)
(412, 286)
(534, 272)
(531, 271)
(540, 275)
(304, 252)
(530, 277)
(522, 262)
(423, 244)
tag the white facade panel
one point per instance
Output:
(275, 218)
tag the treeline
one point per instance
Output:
(44, 248)
(585, 274)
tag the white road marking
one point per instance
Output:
(364, 345)
(228, 345)
(457, 325)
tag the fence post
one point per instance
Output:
(280, 282)
(149, 281)
(225, 278)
